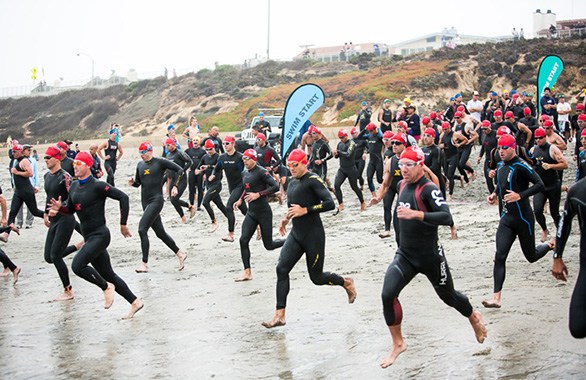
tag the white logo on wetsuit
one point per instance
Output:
(405, 204)
(438, 198)
(443, 273)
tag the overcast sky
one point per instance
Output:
(190, 35)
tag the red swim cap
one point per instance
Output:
(297, 155)
(425, 120)
(170, 141)
(503, 130)
(432, 115)
(371, 127)
(209, 144)
(85, 157)
(429, 131)
(486, 123)
(507, 140)
(229, 139)
(260, 136)
(526, 111)
(250, 153)
(388, 135)
(145, 147)
(62, 145)
(342, 133)
(582, 117)
(353, 131)
(312, 129)
(53, 152)
(509, 114)
(445, 125)
(18, 148)
(403, 124)
(399, 137)
(414, 154)
(498, 113)
(548, 123)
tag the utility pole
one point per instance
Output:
(269, 30)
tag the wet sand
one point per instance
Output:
(199, 323)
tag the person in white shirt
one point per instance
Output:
(564, 110)
(475, 106)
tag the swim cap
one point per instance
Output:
(145, 147)
(445, 125)
(229, 139)
(402, 124)
(583, 133)
(580, 107)
(498, 113)
(539, 132)
(371, 127)
(582, 117)
(342, 133)
(18, 148)
(170, 141)
(387, 101)
(461, 108)
(297, 155)
(62, 145)
(548, 123)
(312, 129)
(399, 137)
(432, 115)
(414, 154)
(354, 131)
(170, 126)
(364, 103)
(458, 114)
(260, 136)
(210, 144)
(429, 131)
(425, 120)
(53, 152)
(503, 130)
(388, 135)
(250, 153)
(526, 111)
(85, 157)
(509, 114)
(544, 117)
(485, 123)
(507, 140)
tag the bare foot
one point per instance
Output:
(229, 238)
(544, 235)
(182, 256)
(192, 211)
(66, 296)
(462, 183)
(350, 289)
(135, 307)
(143, 268)
(184, 219)
(363, 206)
(15, 273)
(109, 296)
(478, 326)
(472, 176)
(246, 276)
(5, 272)
(384, 234)
(453, 233)
(397, 350)
(275, 322)
(492, 304)
(213, 227)
(449, 198)
(4, 237)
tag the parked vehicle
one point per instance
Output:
(246, 139)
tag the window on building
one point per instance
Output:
(431, 39)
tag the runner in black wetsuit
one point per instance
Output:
(517, 220)
(575, 205)
(363, 116)
(465, 148)
(360, 155)
(9, 266)
(66, 162)
(318, 160)
(150, 177)
(433, 157)
(87, 198)
(266, 154)
(23, 189)
(112, 154)
(448, 143)
(385, 116)
(581, 158)
(548, 161)
(345, 151)
(213, 184)
(61, 226)
(420, 210)
(257, 184)
(307, 196)
(375, 160)
(179, 178)
(195, 181)
(232, 164)
(389, 189)
(489, 141)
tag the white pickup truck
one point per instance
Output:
(275, 117)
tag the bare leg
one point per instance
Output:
(478, 326)
(192, 211)
(134, 308)
(399, 346)
(544, 235)
(495, 302)
(278, 320)
(363, 206)
(246, 276)
(109, 296)
(5, 272)
(350, 289)
(213, 227)
(15, 273)
(182, 256)
(258, 235)
(143, 268)
(453, 232)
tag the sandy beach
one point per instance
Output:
(199, 323)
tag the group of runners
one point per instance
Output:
(414, 160)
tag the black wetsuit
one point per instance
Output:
(464, 151)
(552, 183)
(87, 198)
(363, 118)
(24, 192)
(195, 181)
(307, 235)
(97, 166)
(433, 160)
(110, 163)
(451, 159)
(489, 143)
(62, 225)
(217, 143)
(375, 157)
(320, 150)
(258, 180)
(67, 165)
(346, 154)
(4, 259)
(150, 177)
(179, 178)
(387, 117)
(267, 156)
(575, 205)
(361, 148)
(420, 252)
(581, 165)
(233, 167)
(517, 218)
(213, 188)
